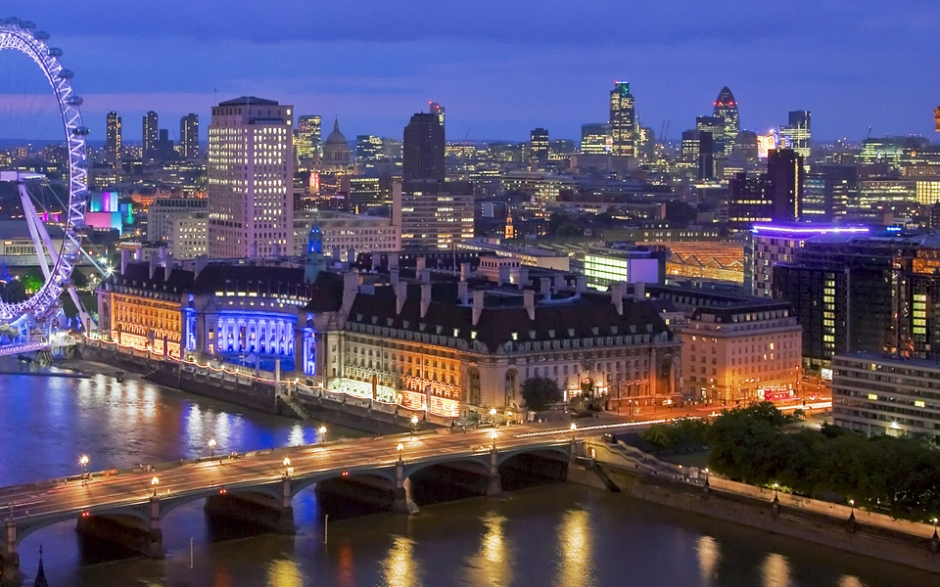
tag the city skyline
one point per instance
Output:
(502, 72)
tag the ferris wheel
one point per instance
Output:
(21, 36)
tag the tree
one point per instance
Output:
(540, 392)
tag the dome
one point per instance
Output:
(336, 150)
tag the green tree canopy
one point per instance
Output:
(540, 392)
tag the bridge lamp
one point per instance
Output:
(400, 448)
(322, 432)
(212, 447)
(493, 413)
(154, 482)
(288, 470)
(83, 461)
(493, 435)
(508, 417)
(414, 424)
(574, 428)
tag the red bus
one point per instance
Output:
(776, 396)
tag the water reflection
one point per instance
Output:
(709, 555)
(399, 566)
(776, 571)
(574, 552)
(490, 565)
(850, 581)
(296, 436)
(284, 573)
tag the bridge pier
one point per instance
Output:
(401, 497)
(494, 485)
(256, 508)
(10, 575)
(130, 532)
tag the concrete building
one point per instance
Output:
(607, 266)
(189, 137)
(877, 394)
(189, 235)
(150, 136)
(251, 178)
(161, 213)
(113, 142)
(433, 214)
(345, 233)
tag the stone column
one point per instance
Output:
(10, 559)
(154, 538)
(494, 485)
(400, 500)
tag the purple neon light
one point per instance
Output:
(801, 230)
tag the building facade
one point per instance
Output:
(346, 234)
(433, 214)
(112, 146)
(189, 137)
(150, 136)
(623, 126)
(423, 148)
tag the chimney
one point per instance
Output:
(528, 297)
(581, 284)
(401, 294)
(478, 296)
(616, 296)
(545, 287)
(154, 263)
(464, 271)
(523, 276)
(393, 260)
(125, 259)
(167, 266)
(393, 277)
(425, 298)
(139, 253)
(421, 263)
(201, 262)
(350, 289)
(503, 274)
(639, 291)
(425, 276)
(560, 283)
(463, 292)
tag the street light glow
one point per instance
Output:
(321, 430)
(154, 482)
(83, 460)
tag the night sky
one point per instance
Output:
(504, 67)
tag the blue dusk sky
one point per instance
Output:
(503, 67)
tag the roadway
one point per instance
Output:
(103, 491)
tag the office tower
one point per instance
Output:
(538, 146)
(797, 133)
(726, 109)
(785, 176)
(113, 140)
(745, 146)
(595, 138)
(150, 136)
(368, 147)
(437, 110)
(308, 136)
(749, 199)
(646, 145)
(165, 150)
(827, 192)
(433, 214)
(697, 149)
(423, 148)
(189, 136)
(251, 173)
(622, 121)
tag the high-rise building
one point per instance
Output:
(595, 138)
(749, 199)
(368, 147)
(189, 136)
(433, 214)
(308, 136)
(423, 148)
(646, 145)
(150, 136)
(797, 133)
(623, 131)
(726, 109)
(698, 149)
(538, 146)
(251, 173)
(785, 176)
(113, 140)
(828, 191)
(437, 110)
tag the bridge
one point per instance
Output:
(51, 344)
(384, 473)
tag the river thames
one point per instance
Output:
(561, 535)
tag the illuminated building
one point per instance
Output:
(749, 199)
(438, 111)
(368, 147)
(770, 244)
(189, 136)
(433, 214)
(308, 136)
(785, 177)
(858, 293)
(606, 266)
(347, 235)
(827, 192)
(423, 149)
(745, 147)
(140, 307)
(797, 134)
(538, 146)
(697, 149)
(17, 248)
(251, 176)
(149, 146)
(873, 193)
(712, 261)
(875, 394)
(741, 351)
(161, 212)
(543, 185)
(112, 145)
(189, 235)
(362, 193)
(646, 145)
(726, 109)
(105, 212)
(595, 139)
(336, 152)
(928, 192)
(623, 127)
(765, 144)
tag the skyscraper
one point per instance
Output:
(698, 149)
(368, 147)
(113, 140)
(308, 136)
(437, 110)
(423, 148)
(785, 176)
(622, 121)
(797, 134)
(150, 136)
(250, 172)
(749, 199)
(595, 138)
(538, 146)
(189, 136)
(726, 109)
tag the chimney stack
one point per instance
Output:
(581, 284)
(464, 271)
(639, 291)
(421, 263)
(401, 294)
(154, 263)
(529, 301)
(478, 296)
(560, 283)
(125, 259)
(463, 292)
(376, 261)
(393, 261)
(167, 266)
(503, 274)
(523, 276)
(616, 296)
(393, 276)
(545, 287)
(425, 276)
(425, 298)
(350, 289)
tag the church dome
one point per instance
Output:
(336, 149)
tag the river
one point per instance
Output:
(560, 535)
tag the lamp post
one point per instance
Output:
(287, 468)
(414, 424)
(400, 448)
(707, 485)
(83, 461)
(493, 415)
(493, 435)
(322, 432)
(154, 482)
(212, 447)
(508, 418)
(574, 428)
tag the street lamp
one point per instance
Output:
(287, 468)
(493, 414)
(508, 418)
(707, 486)
(212, 447)
(83, 461)
(574, 428)
(493, 435)
(400, 448)
(154, 482)
(414, 423)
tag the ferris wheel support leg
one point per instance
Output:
(36, 229)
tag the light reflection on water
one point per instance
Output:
(709, 555)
